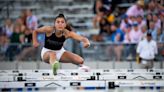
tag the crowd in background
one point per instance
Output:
(18, 34)
(128, 27)
(131, 26)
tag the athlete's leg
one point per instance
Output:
(46, 57)
(50, 57)
(69, 57)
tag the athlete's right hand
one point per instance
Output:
(36, 44)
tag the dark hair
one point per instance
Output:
(149, 34)
(69, 27)
(60, 16)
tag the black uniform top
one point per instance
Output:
(53, 42)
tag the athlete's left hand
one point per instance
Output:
(86, 44)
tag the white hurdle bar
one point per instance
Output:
(99, 79)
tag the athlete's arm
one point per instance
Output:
(45, 29)
(80, 38)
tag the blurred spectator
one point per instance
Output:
(108, 35)
(15, 39)
(153, 30)
(127, 33)
(103, 10)
(135, 33)
(149, 18)
(159, 36)
(23, 16)
(31, 20)
(100, 22)
(28, 51)
(97, 6)
(103, 34)
(162, 26)
(4, 41)
(27, 36)
(117, 36)
(124, 22)
(161, 16)
(152, 8)
(107, 5)
(157, 21)
(103, 26)
(98, 18)
(162, 37)
(110, 5)
(8, 27)
(144, 31)
(19, 22)
(117, 33)
(136, 9)
(127, 45)
(141, 21)
(147, 50)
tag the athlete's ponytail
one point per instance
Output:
(68, 27)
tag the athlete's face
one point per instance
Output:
(60, 24)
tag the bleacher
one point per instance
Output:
(78, 12)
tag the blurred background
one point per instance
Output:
(108, 24)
